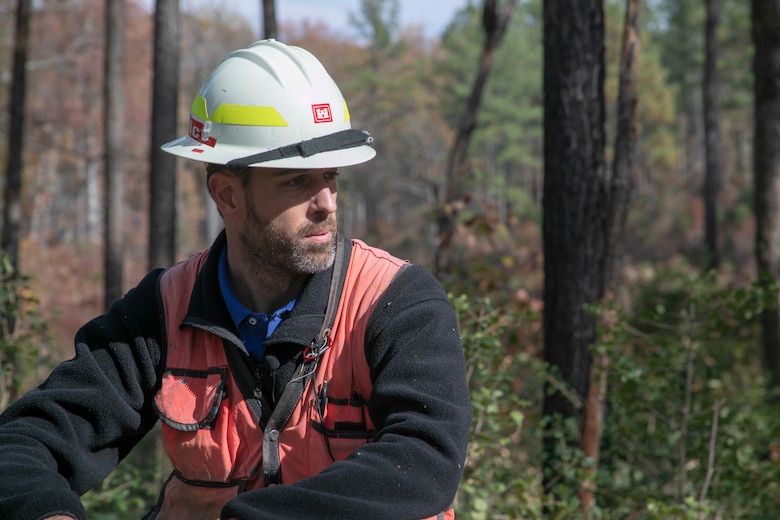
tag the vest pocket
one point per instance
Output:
(188, 400)
(342, 422)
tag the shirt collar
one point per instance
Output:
(238, 312)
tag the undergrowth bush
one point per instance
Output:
(689, 431)
(502, 477)
(22, 331)
(498, 481)
(133, 488)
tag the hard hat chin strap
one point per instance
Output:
(327, 143)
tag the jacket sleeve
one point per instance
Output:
(420, 406)
(64, 437)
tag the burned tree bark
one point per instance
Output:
(766, 166)
(621, 188)
(162, 166)
(712, 137)
(575, 212)
(12, 209)
(113, 126)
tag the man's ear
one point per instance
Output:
(227, 192)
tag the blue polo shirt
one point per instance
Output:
(253, 327)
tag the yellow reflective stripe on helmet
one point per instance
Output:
(346, 112)
(244, 115)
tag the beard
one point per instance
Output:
(266, 244)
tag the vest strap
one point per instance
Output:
(308, 365)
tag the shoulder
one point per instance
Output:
(188, 268)
(369, 273)
(409, 281)
(414, 295)
(366, 253)
(414, 315)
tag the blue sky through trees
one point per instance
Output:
(432, 16)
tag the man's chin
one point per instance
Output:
(314, 259)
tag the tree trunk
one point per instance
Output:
(495, 20)
(621, 189)
(765, 20)
(575, 209)
(12, 209)
(712, 136)
(269, 19)
(114, 120)
(623, 165)
(162, 166)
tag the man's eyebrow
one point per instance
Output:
(287, 171)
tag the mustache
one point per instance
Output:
(318, 228)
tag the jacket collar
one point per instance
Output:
(207, 308)
(303, 324)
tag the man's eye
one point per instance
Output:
(296, 181)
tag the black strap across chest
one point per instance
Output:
(303, 375)
(273, 419)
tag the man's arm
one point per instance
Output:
(420, 406)
(62, 438)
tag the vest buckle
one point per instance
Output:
(317, 347)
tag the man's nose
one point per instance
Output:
(325, 199)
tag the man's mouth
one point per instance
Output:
(323, 236)
(318, 235)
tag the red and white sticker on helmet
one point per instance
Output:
(322, 113)
(199, 133)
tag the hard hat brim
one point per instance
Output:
(189, 148)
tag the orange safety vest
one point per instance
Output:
(211, 429)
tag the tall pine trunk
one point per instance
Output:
(712, 136)
(575, 212)
(621, 189)
(162, 166)
(269, 18)
(765, 20)
(113, 125)
(12, 209)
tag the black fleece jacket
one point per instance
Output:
(65, 436)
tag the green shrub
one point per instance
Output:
(498, 482)
(22, 331)
(689, 431)
(133, 488)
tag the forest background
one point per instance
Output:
(690, 429)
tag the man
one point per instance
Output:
(297, 374)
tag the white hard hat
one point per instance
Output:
(272, 105)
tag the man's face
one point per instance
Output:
(290, 220)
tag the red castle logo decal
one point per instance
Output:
(322, 113)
